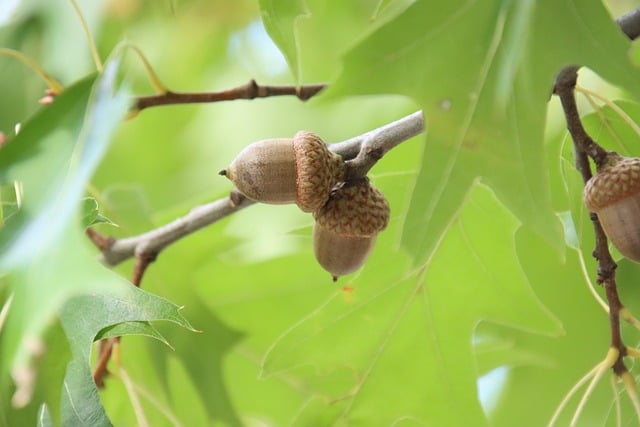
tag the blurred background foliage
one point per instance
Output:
(493, 326)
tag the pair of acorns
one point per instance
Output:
(348, 214)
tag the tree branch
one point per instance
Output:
(373, 145)
(361, 153)
(250, 90)
(564, 88)
(586, 147)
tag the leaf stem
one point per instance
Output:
(52, 83)
(624, 116)
(133, 397)
(630, 386)
(594, 375)
(92, 44)
(602, 368)
(155, 81)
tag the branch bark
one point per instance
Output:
(250, 90)
(360, 152)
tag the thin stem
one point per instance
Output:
(564, 88)
(565, 400)
(87, 34)
(630, 386)
(633, 352)
(585, 146)
(143, 260)
(623, 115)
(628, 317)
(250, 90)
(151, 74)
(616, 400)
(614, 323)
(52, 83)
(101, 371)
(590, 284)
(161, 407)
(129, 386)
(109, 345)
(602, 368)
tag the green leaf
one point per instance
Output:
(615, 126)
(314, 34)
(488, 122)
(123, 309)
(132, 328)
(91, 213)
(429, 317)
(203, 359)
(45, 257)
(279, 19)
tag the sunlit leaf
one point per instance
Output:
(279, 20)
(488, 121)
(414, 334)
(45, 256)
(91, 214)
(123, 308)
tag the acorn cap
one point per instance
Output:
(355, 209)
(617, 179)
(317, 170)
(346, 227)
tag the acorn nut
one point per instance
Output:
(613, 193)
(346, 227)
(301, 170)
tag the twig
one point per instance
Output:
(593, 376)
(250, 90)
(630, 387)
(105, 350)
(564, 88)
(375, 144)
(143, 260)
(365, 150)
(585, 148)
(156, 240)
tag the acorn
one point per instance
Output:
(347, 226)
(301, 170)
(613, 193)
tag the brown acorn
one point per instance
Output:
(613, 193)
(346, 227)
(301, 170)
